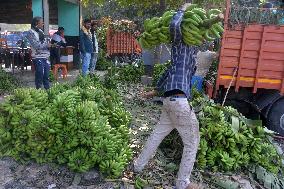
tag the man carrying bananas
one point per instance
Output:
(175, 84)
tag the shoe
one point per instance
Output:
(194, 186)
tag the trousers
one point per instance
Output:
(176, 114)
(42, 69)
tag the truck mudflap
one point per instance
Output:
(263, 101)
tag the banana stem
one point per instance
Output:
(208, 23)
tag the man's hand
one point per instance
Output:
(221, 16)
(148, 94)
(184, 7)
(216, 56)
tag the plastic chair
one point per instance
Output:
(64, 70)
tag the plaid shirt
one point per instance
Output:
(183, 58)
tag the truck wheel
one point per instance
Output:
(275, 119)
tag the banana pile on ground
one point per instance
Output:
(228, 141)
(7, 82)
(231, 142)
(75, 125)
(197, 25)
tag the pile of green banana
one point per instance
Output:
(7, 82)
(228, 141)
(83, 125)
(197, 25)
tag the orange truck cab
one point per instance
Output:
(251, 71)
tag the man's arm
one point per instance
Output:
(214, 20)
(82, 44)
(175, 27)
(36, 44)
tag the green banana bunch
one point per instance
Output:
(67, 125)
(231, 149)
(157, 30)
(7, 82)
(197, 25)
(229, 142)
(140, 183)
(79, 160)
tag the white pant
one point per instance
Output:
(176, 114)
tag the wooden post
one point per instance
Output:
(46, 17)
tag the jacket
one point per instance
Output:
(39, 49)
(58, 40)
(86, 43)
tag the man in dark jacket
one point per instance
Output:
(86, 46)
(40, 52)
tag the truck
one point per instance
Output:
(250, 75)
(122, 46)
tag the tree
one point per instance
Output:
(137, 10)
(164, 4)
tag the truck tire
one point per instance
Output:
(275, 118)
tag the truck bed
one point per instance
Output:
(252, 56)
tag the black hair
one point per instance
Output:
(35, 21)
(87, 20)
(61, 29)
(34, 24)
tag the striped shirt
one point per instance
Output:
(39, 49)
(183, 57)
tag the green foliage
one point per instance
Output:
(212, 73)
(103, 63)
(130, 73)
(101, 32)
(111, 78)
(7, 82)
(82, 125)
(51, 77)
(125, 74)
(158, 71)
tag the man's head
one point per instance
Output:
(61, 30)
(37, 22)
(94, 25)
(87, 23)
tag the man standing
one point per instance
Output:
(175, 84)
(57, 41)
(40, 53)
(94, 57)
(86, 46)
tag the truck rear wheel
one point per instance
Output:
(275, 118)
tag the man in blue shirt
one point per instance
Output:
(175, 84)
(86, 46)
